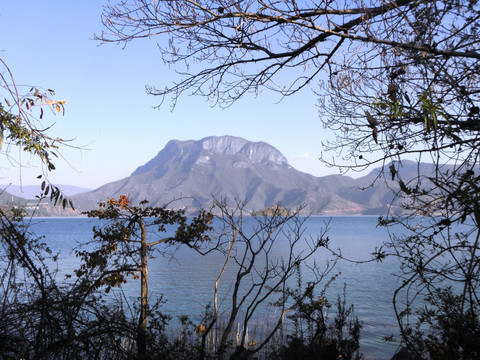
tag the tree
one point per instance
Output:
(123, 248)
(315, 336)
(396, 79)
(262, 278)
(246, 45)
(44, 316)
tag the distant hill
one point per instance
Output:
(234, 168)
(6, 197)
(31, 191)
(33, 205)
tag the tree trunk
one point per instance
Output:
(142, 323)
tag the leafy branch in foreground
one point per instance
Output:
(124, 243)
(21, 128)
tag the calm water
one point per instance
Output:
(187, 281)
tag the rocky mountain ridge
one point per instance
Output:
(233, 168)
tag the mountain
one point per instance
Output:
(31, 191)
(236, 169)
(7, 197)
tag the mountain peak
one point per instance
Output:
(227, 145)
(256, 152)
(202, 150)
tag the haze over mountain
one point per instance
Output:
(234, 168)
(32, 191)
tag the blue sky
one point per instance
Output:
(48, 44)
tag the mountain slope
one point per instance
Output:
(234, 168)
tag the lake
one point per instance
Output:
(187, 280)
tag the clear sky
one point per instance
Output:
(49, 43)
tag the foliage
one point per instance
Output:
(415, 102)
(21, 116)
(274, 210)
(453, 330)
(260, 279)
(123, 248)
(437, 245)
(41, 318)
(314, 335)
(118, 255)
(19, 126)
